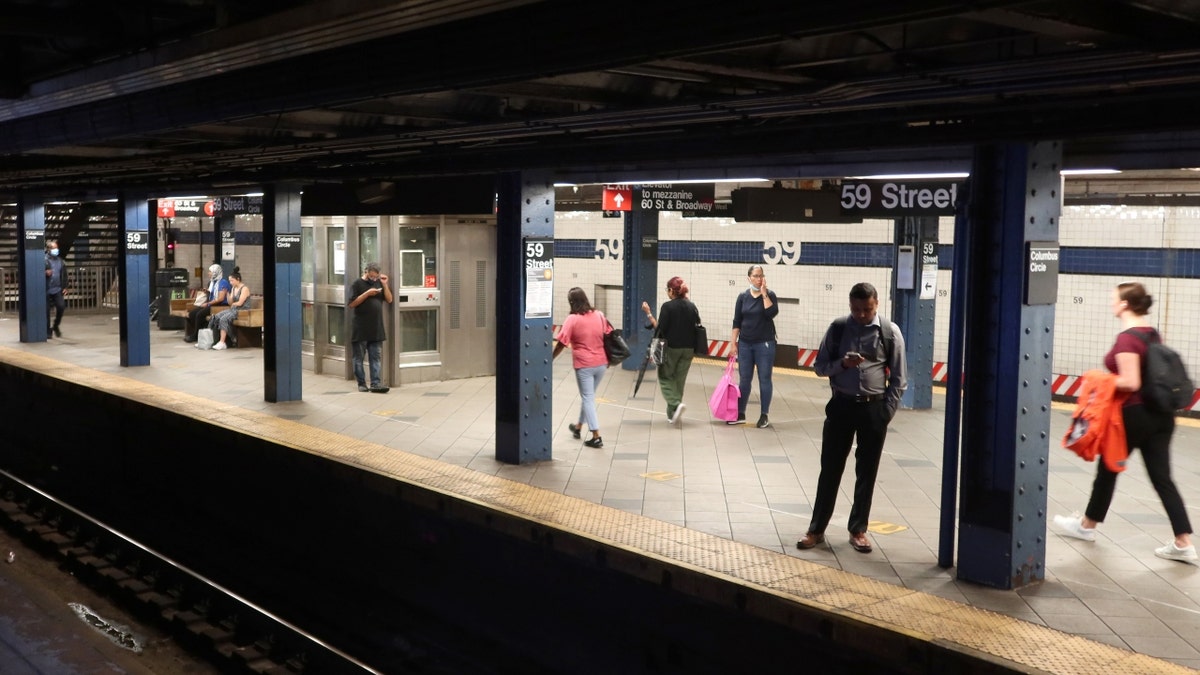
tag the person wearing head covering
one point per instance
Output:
(676, 323)
(367, 296)
(218, 296)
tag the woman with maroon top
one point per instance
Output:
(1145, 429)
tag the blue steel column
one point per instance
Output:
(641, 282)
(1015, 198)
(133, 271)
(282, 315)
(31, 270)
(226, 222)
(523, 345)
(914, 315)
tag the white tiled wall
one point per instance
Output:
(811, 296)
(193, 257)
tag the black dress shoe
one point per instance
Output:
(189, 338)
(575, 429)
(596, 442)
(810, 540)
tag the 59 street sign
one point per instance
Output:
(894, 199)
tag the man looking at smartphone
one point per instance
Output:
(863, 356)
(367, 295)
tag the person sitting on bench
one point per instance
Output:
(239, 297)
(218, 296)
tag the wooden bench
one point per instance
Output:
(247, 327)
(180, 307)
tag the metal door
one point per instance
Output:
(469, 306)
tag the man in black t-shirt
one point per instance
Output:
(367, 295)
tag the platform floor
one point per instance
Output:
(752, 486)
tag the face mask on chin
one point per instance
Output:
(756, 289)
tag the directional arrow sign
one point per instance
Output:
(617, 198)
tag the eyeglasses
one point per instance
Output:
(756, 276)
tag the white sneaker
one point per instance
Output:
(1173, 552)
(678, 413)
(1072, 526)
(220, 345)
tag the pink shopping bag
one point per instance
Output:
(724, 401)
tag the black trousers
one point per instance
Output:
(197, 318)
(56, 302)
(1151, 433)
(846, 420)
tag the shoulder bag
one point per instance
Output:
(615, 347)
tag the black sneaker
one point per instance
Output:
(363, 387)
(763, 422)
(740, 420)
(380, 390)
(596, 442)
(57, 332)
(575, 429)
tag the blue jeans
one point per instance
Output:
(753, 355)
(373, 352)
(588, 380)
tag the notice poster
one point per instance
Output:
(539, 278)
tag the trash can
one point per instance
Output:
(170, 283)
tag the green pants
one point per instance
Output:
(672, 375)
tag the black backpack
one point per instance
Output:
(1166, 386)
(885, 334)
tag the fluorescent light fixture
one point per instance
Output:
(670, 182)
(911, 176)
(1087, 172)
(692, 180)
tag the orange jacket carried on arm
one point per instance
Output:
(1097, 425)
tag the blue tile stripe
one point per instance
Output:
(1107, 261)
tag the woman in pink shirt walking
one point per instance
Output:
(584, 332)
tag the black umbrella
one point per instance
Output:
(645, 362)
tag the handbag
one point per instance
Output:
(615, 347)
(701, 340)
(204, 338)
(724, 400)
(657, 345)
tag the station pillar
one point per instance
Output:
(31, 269)
(1015, 198)
(525, 292)
(640, 274)
(282, 311)
(133, 267)
(913, 303)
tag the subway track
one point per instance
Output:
(204, 617)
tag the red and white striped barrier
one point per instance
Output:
(1063, 385)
